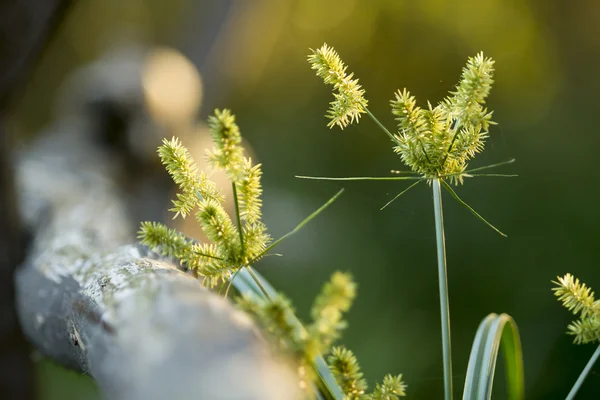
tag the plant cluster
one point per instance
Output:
(436, 143)
(231, 246)
(433, 141)
(235, 246)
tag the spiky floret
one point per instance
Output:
(335, 298)
(166, 241)
(228, 153)
(585, 330)
(276, 315)
(439, 141)
(229, 249)
(250, 191)
(349, 101)
(256, 240)
(346, 370)
(576, 296)
(193, 186)
(219, 228)
(579, 299)
(392, 388)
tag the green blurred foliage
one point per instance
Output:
(545, 99)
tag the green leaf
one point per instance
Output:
(512, 160)
(400, 194)
(468, 207)
(495, 330)
(362, 178)
(299, 226)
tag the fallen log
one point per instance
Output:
(141, 327)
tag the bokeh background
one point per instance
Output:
(252, 58)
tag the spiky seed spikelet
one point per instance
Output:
(349, 101)
(219, 228)
(335, 298)
(346, 370)
(228, 153)
(193, 186)
(250, 191)
(576, 296)
(166, 241)
(392, 388)
(579, 299)
(441, 140)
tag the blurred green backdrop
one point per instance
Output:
(545, 100)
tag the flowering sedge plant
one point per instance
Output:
(436, 143)
(234, 245)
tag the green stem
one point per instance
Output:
(237, 216)
(456, 131)
(394, 139)
(258, 282)
(584, 374)
(298, 227)
(379, 124)
(443, 283)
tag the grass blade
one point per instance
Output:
(494, 331)
(495, 175)
(512, 160)
(400, 194)
(468, 207)
(379, 124)
(469, 175)
(299, 226)
(362, 178)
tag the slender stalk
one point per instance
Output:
(237, 216)
(443, 283)
(401, 193)
(512, 160)
(258, 282)
(298, 227)
(394, 139)
(456, 131)
(379, 124)
(584, 374)
(361, 178)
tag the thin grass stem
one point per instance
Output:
(362, 178)
(494, 175)
(379, 124)
(237, 217)
(400, 194)
(512, 160)
(256, 279)
(443, 287)
(468, 207)
(584, 374)
(456, 132)
(297, 228)
(470, 175)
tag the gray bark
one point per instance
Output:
(136, 323)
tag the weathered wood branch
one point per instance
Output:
(141, 327)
